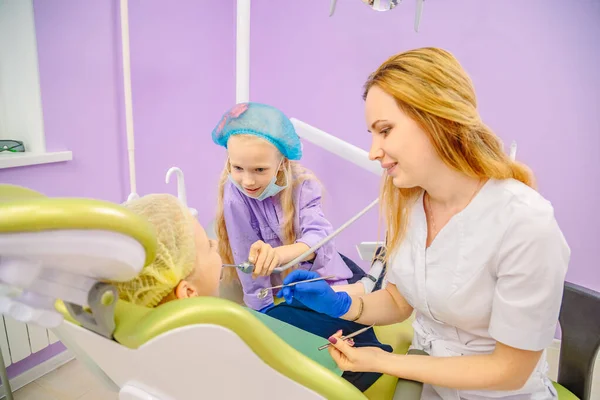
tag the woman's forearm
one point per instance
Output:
(380, 308)
(289, 252)
(487, 372)
(353, 289)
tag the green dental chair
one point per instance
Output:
(56, 254)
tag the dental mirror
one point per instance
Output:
(265, 291)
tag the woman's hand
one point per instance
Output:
(317, 295)
(264, 257)
(349, 358)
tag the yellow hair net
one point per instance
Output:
(175, 253)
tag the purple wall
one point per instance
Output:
(534, 65)
(79, 65)
(183, 78)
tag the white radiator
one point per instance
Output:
(19, 340)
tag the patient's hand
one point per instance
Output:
(264, 257)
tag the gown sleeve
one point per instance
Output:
(532, 264)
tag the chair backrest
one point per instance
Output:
(580, 325)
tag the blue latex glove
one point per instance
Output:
(318, 296)
(267, 308)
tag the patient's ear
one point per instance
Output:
(184, 289)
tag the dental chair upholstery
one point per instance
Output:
(54, 251)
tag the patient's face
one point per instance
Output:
(207, 275)
(253, 162)
(204, 280)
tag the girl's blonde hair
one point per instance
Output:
(431, 87)
(291, 172)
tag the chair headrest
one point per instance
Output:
(24, 210)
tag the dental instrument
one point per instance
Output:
(262, 293)
(327, 239)
(246, 267)
(350, 336)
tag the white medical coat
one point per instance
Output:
(495, 272)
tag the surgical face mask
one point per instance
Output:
(271, 190)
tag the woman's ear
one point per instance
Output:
(184, 290)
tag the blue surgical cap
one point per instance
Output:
(263, 121)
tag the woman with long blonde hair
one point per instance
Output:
(269, 206)
(474, 250)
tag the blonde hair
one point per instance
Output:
(431, 87)
(175, 250)
(291, 172)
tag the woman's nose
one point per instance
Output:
(375, 153)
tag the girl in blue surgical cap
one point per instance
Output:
(270, 206)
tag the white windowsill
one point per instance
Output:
(10, 160)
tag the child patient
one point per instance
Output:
(187, 264)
